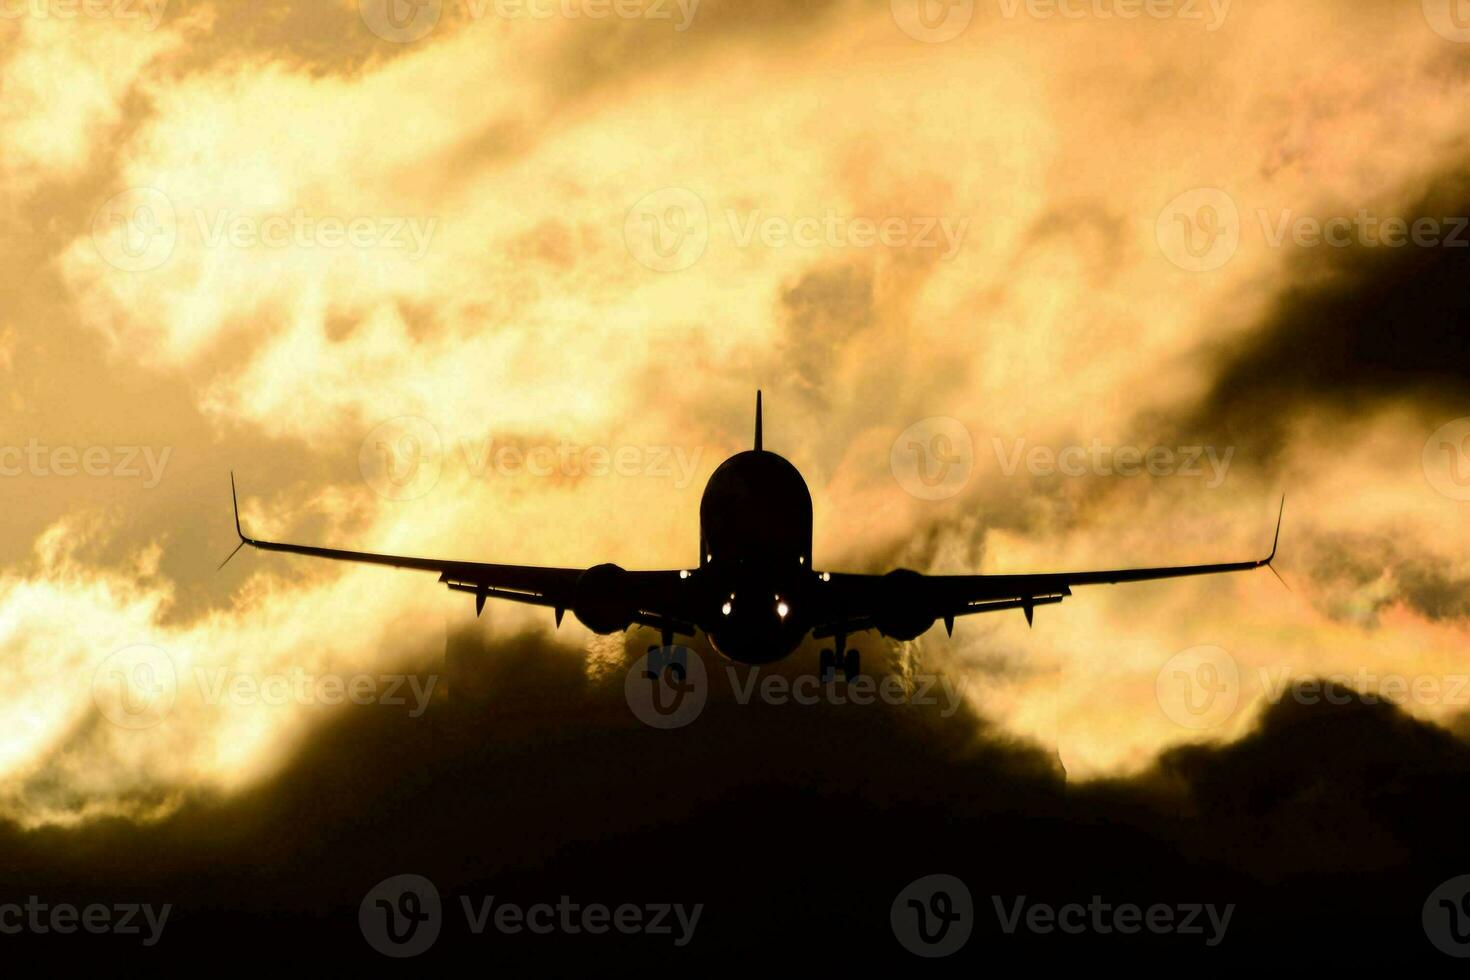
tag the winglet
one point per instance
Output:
(757, 421)
(1277, 539)
(235, 499)
(1274, 542)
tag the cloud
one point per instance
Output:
(511, 158)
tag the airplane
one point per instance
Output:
(756, 593)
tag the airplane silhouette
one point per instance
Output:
(756, 593)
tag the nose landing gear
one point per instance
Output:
(838, 656)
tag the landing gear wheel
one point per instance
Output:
(849, 660)
(665, 657)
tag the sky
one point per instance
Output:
(1027, 286)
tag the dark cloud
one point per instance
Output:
(1358, 330)
(1369, 572)
(794, 826)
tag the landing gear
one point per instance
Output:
(665, 655)
(850, 661)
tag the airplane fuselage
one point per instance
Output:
(755, 533)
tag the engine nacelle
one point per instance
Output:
(902, 615)
(602, 602)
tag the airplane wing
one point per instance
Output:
(653, 598)
(852, 603)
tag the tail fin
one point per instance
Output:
(757, 421)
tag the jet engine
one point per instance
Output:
(901, 615)
(602, 601)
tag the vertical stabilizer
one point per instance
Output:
(757, 421)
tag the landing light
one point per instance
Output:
(782, 609)
(725, 609)
(684, 574)
(826, 576)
